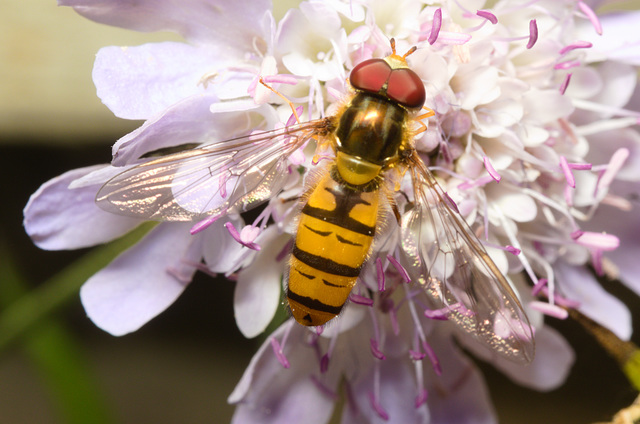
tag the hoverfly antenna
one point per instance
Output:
(392, 41)
(393, 46)
(411, 50)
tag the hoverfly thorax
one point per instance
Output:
(372, 128)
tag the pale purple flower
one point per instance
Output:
(533, 142)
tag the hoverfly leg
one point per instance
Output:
(282, 96)
(394, 208)
(419, 118)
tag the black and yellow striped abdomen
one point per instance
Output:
(334, 238)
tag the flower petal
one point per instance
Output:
(397, 384)
(221, 252)
(257, 293)
(514, 204)
(233, 24)
(58, 218)
(620, 40)
(549, 369)
(143, 281)
(578, 284)
(139, 82)
(460, 394)
(189, 121)
(268, 393)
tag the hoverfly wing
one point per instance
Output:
(212, 179)
(445, 257)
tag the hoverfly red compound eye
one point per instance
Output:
(400, 85)
(406, 88)
(370, 75)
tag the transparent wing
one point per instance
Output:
(209, 180)
(447, 259)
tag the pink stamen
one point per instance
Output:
(568, 175)
(565, 84)
(567, 65)
(513, 250)
(549, 309)
(222, 183)
(539, 286)
(293, 118)
(421, 398)
(453, 38)
(200, 267)
(437, 368)
(596, 261)
(376, 351)
(616, 162)
(403, 272)
(460, 308)
(581, 166)
(576, 45)
(437, 314)
(323, 388)
(416, 355)
(568, 194)
(285, 251)
(533, 33)
(491, 170)
(177, 274)
(593, 18)
(324, 363)
(451, 203)
(488, 16)
(317, 158)
(380, 273)
(277, 350)
(477, 183)
(243, 237)
(205, 223)
(393, 317)
(561, 300)
(435, 28)
(280, 79)
(377, 407)
(575, 235)
(599, 241)
(360, 300)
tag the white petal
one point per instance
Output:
(475, 85)
(57, 217)
(545, 106)
(619, 41)
(460, 394)
(221, 252)
(269, 393)
(160, 73)
(189, 121)
(397, 395)
(235, 25)
(578, 284)
(257, 294)
(143, 281)
(513, 203)
(552, 363)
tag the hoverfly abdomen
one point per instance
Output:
(336, 229)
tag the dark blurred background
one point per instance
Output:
(180, 367)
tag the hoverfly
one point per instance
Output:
(371, 137)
